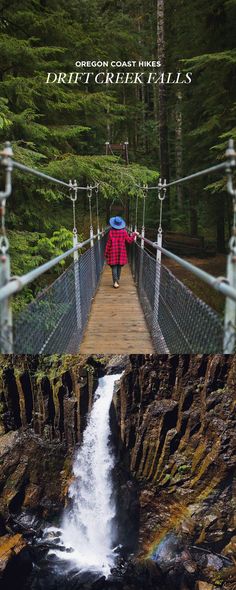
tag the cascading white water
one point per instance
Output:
(87, 527)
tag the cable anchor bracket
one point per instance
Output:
(230, 154)
(6, 161)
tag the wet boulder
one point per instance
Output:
(15, 559)
(201, 585)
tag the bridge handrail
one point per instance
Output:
(228, 165)
(222, 166)
(17, 283)
(217, 283)
(7, 160)
(47, 176)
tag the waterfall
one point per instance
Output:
(88, 526)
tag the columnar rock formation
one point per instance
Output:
(176, 420)
(44, 403)
(52, 395)
(173, 421)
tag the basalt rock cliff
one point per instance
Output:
(176, 419)
(44, 403)
(173, 423)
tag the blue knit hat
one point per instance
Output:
(117, 222)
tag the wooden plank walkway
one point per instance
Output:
(116, 323)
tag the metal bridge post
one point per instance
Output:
(141, 259)
(99, 250)
(161, 198)
(142, 236)
(90, 192)
(230, 305)
(142, 240)
(144, 212)
(77, 283)
(92, 259)
(157, 284)
(6, 327)
(159, 243)
(91, 234)
(75, 243)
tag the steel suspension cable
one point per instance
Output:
(46, 176)
(97, 210)
(218, 283)
(18, 282)
(192, 176)
(144, 213)
(136, 214)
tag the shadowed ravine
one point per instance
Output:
(124, 490)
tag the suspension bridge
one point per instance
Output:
(152, 311)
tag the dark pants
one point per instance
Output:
(116, 271)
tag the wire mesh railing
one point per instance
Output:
(10, 285)
(178, 320)
(54, 322)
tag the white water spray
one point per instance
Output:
(87, 528)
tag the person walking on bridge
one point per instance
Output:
(115, 251)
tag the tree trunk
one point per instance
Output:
(229, 215)
(193, 215)
(162, 97)
(108, 124)
(220, 224)
(135, 120)
(179, 147)
(142, 89)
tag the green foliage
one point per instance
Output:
(31, 249)
(5, 114)
(61, 129)
(183, 469)
(60, 241)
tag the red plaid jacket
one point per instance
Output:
(115, 251)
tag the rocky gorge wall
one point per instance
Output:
(176, 421)
(44, 402)
(52, 395)
(173, 422)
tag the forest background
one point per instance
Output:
(62, 129)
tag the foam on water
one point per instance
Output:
(87, 529)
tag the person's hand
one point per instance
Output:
(137, 233)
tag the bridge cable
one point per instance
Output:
(131, 215)
(144, 190)
(89, 195)
(6, 279)
(97, 211)
(92, 258)
(161, 198)
(136, 214)
(73, 194)
(4, 243)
